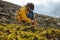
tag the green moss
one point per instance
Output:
(19, 32)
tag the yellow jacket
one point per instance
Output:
(22, 15)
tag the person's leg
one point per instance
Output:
(31, 16)
(34, 22)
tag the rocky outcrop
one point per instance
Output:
(47, 21)
(7, 11)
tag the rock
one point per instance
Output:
(0, 9)
(0, 0)
(58, 24)
(48, 19)
(2, 14)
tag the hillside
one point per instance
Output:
(48, 29)
(7, 11)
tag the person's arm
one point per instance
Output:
(23, 14)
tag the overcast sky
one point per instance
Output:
(37, 2)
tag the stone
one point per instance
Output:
(58, 24)
(1, 9)
(0, 0)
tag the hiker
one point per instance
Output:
(26, 14)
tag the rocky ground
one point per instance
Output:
(7, 11)
(48, 21)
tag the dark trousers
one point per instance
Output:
(30, 15)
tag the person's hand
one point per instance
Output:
(34, 22)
